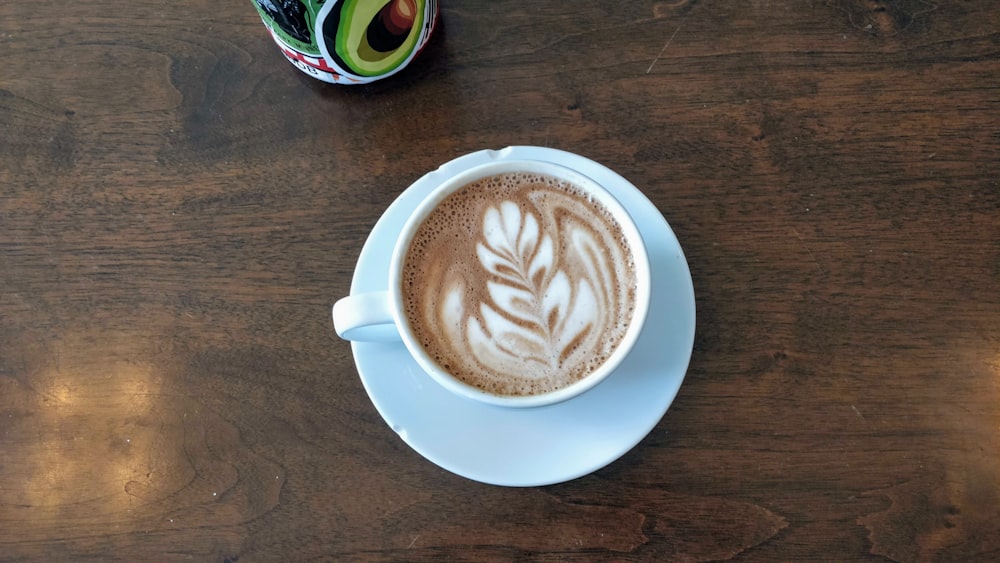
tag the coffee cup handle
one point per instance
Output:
(365, 317)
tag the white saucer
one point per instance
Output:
(545, 445)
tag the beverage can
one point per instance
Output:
(349, 41)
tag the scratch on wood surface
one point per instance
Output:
(665, 45)
(857, 412)
(809, 250)
(413, 541)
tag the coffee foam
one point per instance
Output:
(519, 284)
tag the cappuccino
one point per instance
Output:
(519, 284)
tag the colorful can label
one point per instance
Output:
(349, 41)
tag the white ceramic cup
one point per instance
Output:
(380, 315)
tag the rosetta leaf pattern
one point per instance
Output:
(535, 312)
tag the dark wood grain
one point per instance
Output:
(179, 207)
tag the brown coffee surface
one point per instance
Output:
(519, 284)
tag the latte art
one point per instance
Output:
(519, 284)
(535, 314)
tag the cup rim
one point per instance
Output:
(640, 259)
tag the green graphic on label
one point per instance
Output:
(349, 41)
(371, 38)
(293, 21)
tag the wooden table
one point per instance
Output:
(179, 207)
